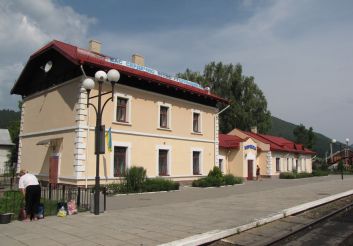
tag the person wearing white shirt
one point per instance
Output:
(29, 186)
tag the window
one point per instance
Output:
(121, 109)
(163, 162)
(196, 163)
(163, 118)
(119, 161)
(277, 165)
(288, 164)
(122, 113)
(196, 122)
(220, 164)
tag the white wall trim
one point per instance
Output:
(128, 110)
(169, 123)
(169, 159)
(200, 121)
(128, 156)
(222, 157)
(55, 130)
(200, 160)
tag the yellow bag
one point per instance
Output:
(61, 212)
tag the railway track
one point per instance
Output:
(328, 224)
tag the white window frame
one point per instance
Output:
(126, 145)
(221, 157)
(192, 121)
(169, 159)
(128, 108)
(169, 123)
(200, 161)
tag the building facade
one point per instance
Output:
(167, 125)
(241, 152)
(5, 149)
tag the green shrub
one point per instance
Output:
(215, 172)
(294, 175)
(320, 172)
(135, 178)
(116, 188)
(230, 179)
(160, 184)
(287, 175)
(303, 175)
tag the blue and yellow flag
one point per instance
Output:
(108, 139)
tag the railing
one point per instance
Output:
(11, 200)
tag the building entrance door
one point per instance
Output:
(250, 169)
(53, 169)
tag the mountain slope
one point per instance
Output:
(285, 129)
(7, 116)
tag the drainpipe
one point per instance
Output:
(87, 139)
(216, 133)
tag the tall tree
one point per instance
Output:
(14, 130)
(304, 136)
(248, 103)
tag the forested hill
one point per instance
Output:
(285, 129)
(7, 116)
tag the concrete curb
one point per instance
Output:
(219, 234)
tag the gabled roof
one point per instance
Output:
(79, 56)
(5, 137)
(229, 141)
(280, 144)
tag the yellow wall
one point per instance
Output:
(61, 113)
(50, 110)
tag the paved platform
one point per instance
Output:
(152, 219)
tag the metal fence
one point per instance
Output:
(11, 200)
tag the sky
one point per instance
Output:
(299, 51)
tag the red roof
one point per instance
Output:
(229, 141)
(280, 144)
(82, 56)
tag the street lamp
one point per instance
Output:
(333, 141)
(112, 76)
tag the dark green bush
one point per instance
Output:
(303, 175)
(294, 175)
(287, 175)
(320, 172)
(215, 172)
(160, 184)
(230, 179)
(116, 188)
(135, 178)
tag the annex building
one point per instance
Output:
(165, 124)
(241, 152)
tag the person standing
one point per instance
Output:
(30, 188)
(257, 172)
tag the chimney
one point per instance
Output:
(254, 129)
(94, 46)
(138, 59)
(208, 89)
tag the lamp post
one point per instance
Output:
(112, 76)
(347, 151)
(333, 141)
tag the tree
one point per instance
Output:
(14, 130)
(248, 103)
(304, 136)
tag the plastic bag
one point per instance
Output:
(40, 211)
(71, 207)
(62, 212)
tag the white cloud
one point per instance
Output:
(300, 56)
(25, 26)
